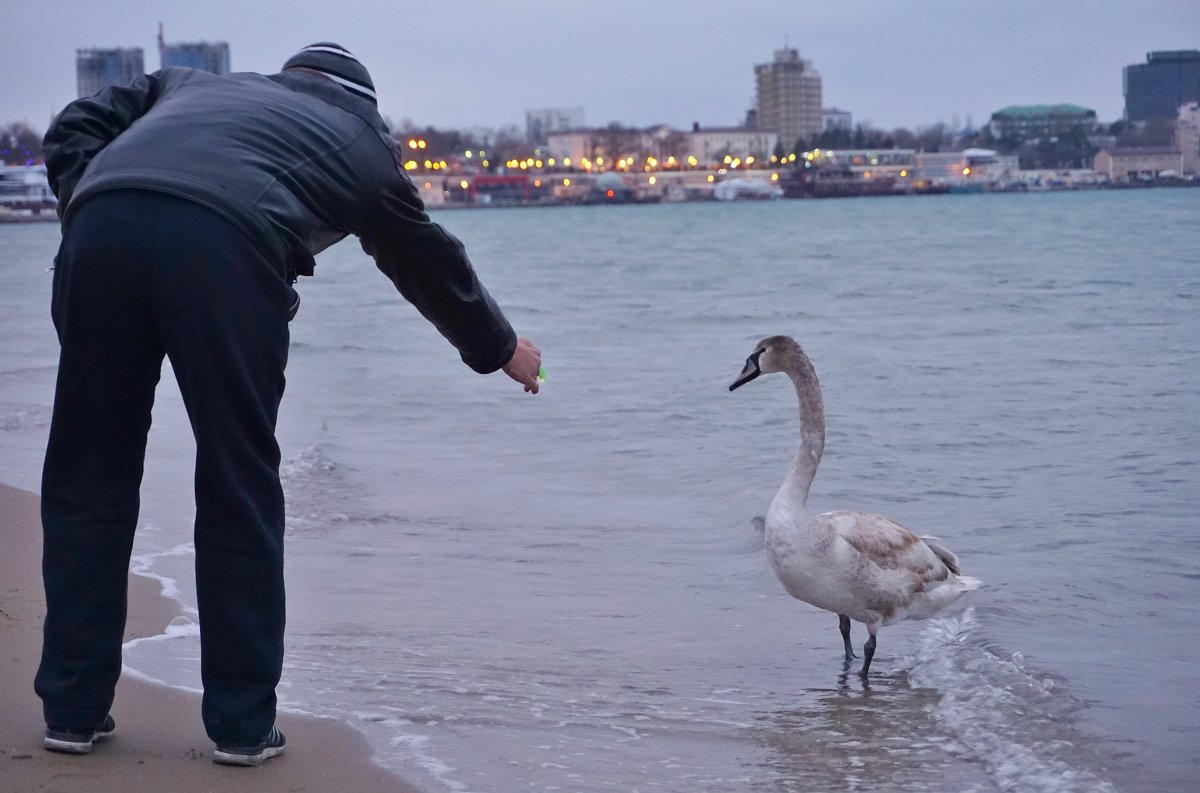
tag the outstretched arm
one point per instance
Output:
(431, 269)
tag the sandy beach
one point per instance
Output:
(159, 743)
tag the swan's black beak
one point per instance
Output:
(749, 372)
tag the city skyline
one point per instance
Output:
(932, 63)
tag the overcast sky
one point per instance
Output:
(458, 64)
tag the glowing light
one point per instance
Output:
(566, 182)
(420, 144)
(774, 177)
(692, 161)
(428, 164)
(550, 162)
(567, 162)
(967, 171)
(611, 193)
(792, 157)
(486, 164)
(750, 160)
(411, 165)
(653, 179)
(537, 182)
(463, 184)
(428, 185)
(468, 154)
(728, 159)
(711, 178)
(412, 144)
(538, 163)
(904, 173)
(599, 160)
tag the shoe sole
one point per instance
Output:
(66, 746)
(246, 760)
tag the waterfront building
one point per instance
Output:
(1161, 85)
(205, 56)
(24, 187)
(659, 147)
(980, 169)
(788, 97)
(711, 145)
(1187, 136)
(540, 123)
(571, 145)
(98, 68)
(832, 118)
(1030, 122)
(1138, 163)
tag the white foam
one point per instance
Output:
(989, 704)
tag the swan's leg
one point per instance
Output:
(868, 653)
(844, 626)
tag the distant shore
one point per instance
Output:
(435, 201)
(159, 744)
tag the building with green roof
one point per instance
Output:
(1028, 122)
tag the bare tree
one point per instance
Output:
(20, 144)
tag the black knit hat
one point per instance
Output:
(335, 62)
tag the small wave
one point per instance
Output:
(31, 418)
(1000, 713)
(183, 627)
(143, 565)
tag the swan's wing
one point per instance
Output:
(889, 546)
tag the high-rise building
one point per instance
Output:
(789, 97)
(208, 57)
(1161, 85)
(540, 123)
(1187, 136)
(98, 68)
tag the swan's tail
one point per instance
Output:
(945, 554)
(967, 583)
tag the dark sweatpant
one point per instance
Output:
(140, 275)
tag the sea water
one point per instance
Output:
(568, 592)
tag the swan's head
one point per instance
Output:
(772, 354)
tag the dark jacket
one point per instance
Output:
(295, 162)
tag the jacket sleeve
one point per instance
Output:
(430, 268)
(86, 126)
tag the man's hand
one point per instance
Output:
(524, 365)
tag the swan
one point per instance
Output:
(861, 567)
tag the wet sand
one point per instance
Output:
(159, 743)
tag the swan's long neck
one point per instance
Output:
(812, 429)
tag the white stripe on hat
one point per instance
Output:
(334, 50)
(350, 84)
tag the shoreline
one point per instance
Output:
(159, 743)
